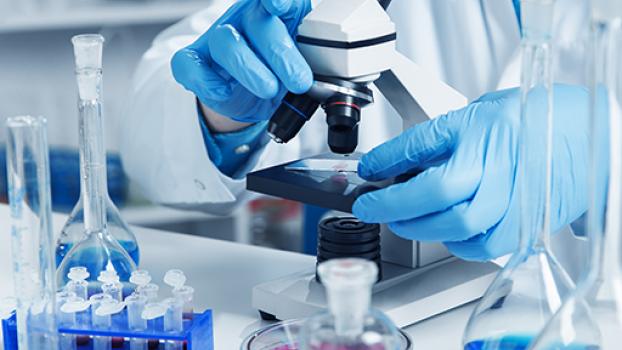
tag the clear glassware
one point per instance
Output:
(90, 102)
(532, 286)
(350, 323)
(96, 249)
(28, 171)
(591, 318)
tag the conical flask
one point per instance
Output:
(96, 249)
(73, 230)
(532, 286)
(349, 324)
(591, 318)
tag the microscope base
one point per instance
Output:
(406, 295)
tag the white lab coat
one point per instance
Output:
(473, 45)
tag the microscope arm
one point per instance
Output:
(416, 94)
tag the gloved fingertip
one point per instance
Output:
(277, 7)
(359, 209)
(302, 81)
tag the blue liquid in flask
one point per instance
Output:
(89, 257)
(513, 342)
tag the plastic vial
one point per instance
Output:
(28, 173)
(68, 318)
(150, 291)
(66, 341)
(532, 286)
(173, 321)
(135, 304)
(100, 322)
(591, 318)
(177, 279)
(111, 284)
(95, 247)
(77, 281)
(88, 49)
(350, 323)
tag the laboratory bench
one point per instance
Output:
(223, 275)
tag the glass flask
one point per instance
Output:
(591, 317)
(96, 249)
(532, 286)
(89, 82)
(28, 171)
(349, 324)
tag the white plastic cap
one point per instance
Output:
(78, 273)
(108, 276)
(87, 49)
(153, 311)
(140, 277)
(74, 304)
(109, 307)
(175, 278)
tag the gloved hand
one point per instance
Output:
(468, 196)
(245, 63)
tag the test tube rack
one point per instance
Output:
(198, 333)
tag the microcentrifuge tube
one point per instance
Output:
(149, 290)
(68, 319)
(173, 321)
(77, 281)
(111, 284)
(28, 173)
(186, 294)
(100, 322)
(66, 341)
(140, 278)
(135, 305)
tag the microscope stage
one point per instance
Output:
(328, 181)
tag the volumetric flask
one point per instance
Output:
(88, 56)
(96, 249)
(591, 318)
(532, 286)
(31, 233)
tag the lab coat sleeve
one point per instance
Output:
(163, 149)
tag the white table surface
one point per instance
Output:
(223, 274)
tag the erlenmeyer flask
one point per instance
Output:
(532, 286)
(349, 324)
(97, 249)
(591, 318)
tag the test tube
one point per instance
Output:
(77, 281)
(100, 322)
(135, 304)
(173, 321)
(111, 284)
(151, 313)
(31, 233)
(71, 307)
(186, 294)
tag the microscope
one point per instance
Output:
(349, 45)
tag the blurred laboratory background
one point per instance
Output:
(36, 78)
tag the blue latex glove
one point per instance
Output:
(467, 197)
(245, 63)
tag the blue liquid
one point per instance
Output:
(514, 342)
(130, 247)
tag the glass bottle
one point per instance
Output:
(591, 318)
(31, 233)
(349, 324)
(97, 249)
(532, 286)
(73, 230)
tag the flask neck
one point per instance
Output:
(94, 190)
(349, 307)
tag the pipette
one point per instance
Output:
(135, 304)
(173, 321)
(77, 281)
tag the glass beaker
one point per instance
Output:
(96, 248)
(532, 286)
(350, 323)
(591, 318)
(28, 171)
